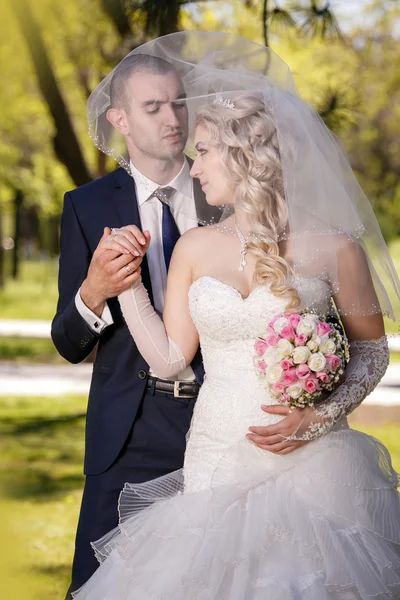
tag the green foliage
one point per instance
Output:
(354, 84)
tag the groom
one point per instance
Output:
(136, 423)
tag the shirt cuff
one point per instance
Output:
(96, 324)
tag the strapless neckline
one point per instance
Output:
(228, 286)
(253, 292)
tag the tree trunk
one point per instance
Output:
(265, 23)
(18, 201)
(66, 144)
(115, 9)
(169, 22)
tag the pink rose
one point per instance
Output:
(288, 333)
(272, 340)
(323, 329)
(333, 362)
(279, 387)
(285, 398)
(322, 376)
(303, 371)
(286, 363)
(310, 385)
(290, 376)
(261, 365)
(294, 320)
(271, 323)
(301, 340)
(260, 346)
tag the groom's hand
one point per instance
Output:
(110, 273)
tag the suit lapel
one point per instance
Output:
(125, 203)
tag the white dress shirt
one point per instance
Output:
(150, 210)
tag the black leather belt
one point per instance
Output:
(178, 389)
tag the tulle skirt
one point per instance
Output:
(322, 523)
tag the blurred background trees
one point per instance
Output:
(53, 54)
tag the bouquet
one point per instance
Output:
(301, 356)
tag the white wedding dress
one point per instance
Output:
(240, 523)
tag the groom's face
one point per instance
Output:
(155, 115)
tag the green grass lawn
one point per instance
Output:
(394, 249)
(33, 295)
(41, 449)
(23, 350)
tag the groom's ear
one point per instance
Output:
(117, 118)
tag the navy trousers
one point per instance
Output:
(155, 446)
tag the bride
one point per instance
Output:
(317, 517)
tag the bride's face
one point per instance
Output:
(210, 170)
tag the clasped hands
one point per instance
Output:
(115, 265)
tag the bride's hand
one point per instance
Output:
(274, 437)
(128, 239)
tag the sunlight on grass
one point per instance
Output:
(33, 295)
(387, 434)
(22, 350)
(41, 445)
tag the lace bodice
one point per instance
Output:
(222, 315)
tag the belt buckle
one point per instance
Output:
(177, 391)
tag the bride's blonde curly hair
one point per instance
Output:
(249, 147)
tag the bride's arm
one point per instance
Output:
(362, 319)
(169, 346)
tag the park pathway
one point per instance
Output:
(52, 380)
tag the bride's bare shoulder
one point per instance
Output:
(198, 236)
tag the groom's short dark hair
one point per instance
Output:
(143, 63)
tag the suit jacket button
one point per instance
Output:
(142, 374)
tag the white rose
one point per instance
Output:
(313, 343)
(327, 346)
(274, 374)
(280, 324)
(307, 325)
(301, 355)
(317, 362)
(285, 347)
(311, 317)
(271, 356)
(294, 391)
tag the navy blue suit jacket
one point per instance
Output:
(119, 372)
